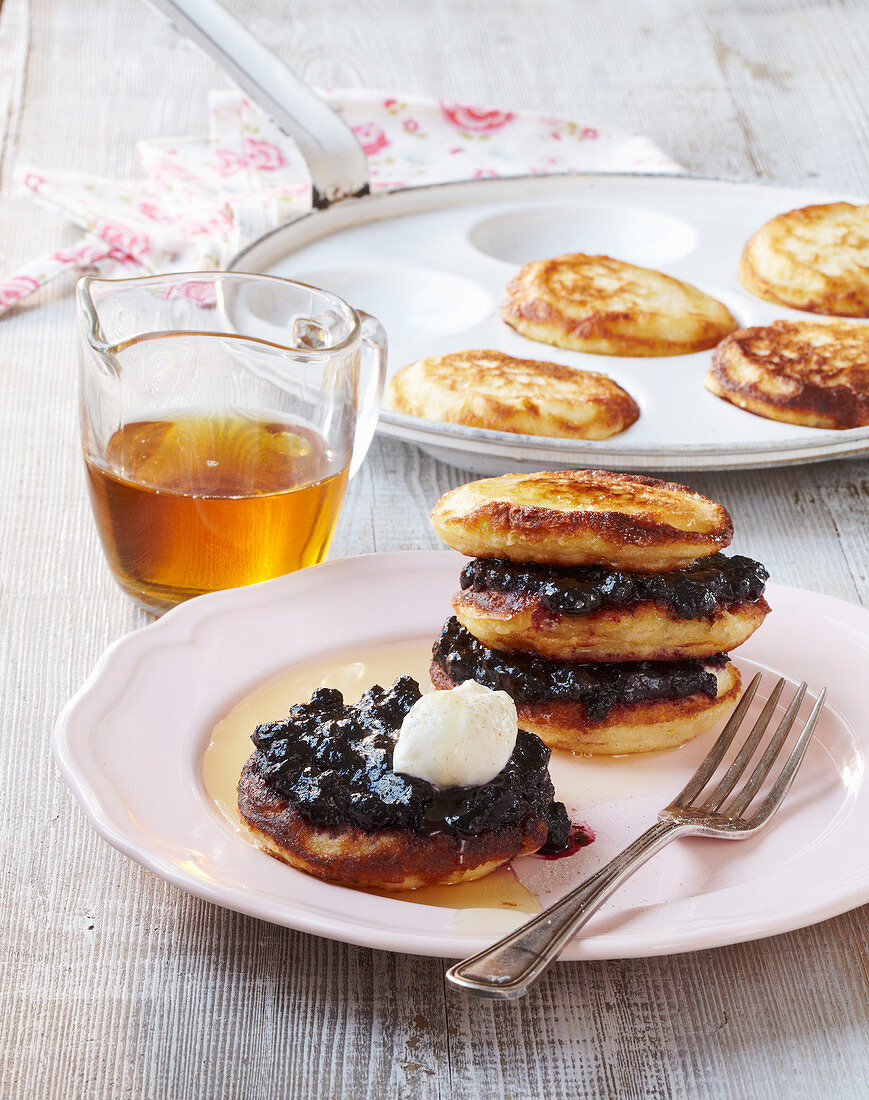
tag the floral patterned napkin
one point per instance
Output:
(205, 198)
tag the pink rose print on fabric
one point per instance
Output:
(155, 213)
(227, 162)
(165, 170)
(33, 181)
(371, 138)
(221, 223)
(16, 288)
(265, 156)
(125, 240)
(475, 119)
(411, 125)
(589, 134)
(86, 254)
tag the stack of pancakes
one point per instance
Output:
(601, 603)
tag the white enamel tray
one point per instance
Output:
(432, 263)
(131, 746)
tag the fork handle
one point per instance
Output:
(510, 967)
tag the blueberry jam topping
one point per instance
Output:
(597, 687)
(695, 592)
(333, 763)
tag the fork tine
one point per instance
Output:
(768, 759)
(773, 800)
(701, 777)
(728, 782)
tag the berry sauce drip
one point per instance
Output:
(695, 592)
(598, 687)
(333, 763)
(580, 836)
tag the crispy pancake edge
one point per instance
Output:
(388, 859)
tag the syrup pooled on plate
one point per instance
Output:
(500, 889)
(200, 503)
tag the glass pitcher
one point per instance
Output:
(221, 416)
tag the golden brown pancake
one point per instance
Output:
(488, 389)
(609, 307)
(647, 631)
(815, 258)
(386, 859)
(814, 373)
(639, 727)
(320, 793)
(583, 517)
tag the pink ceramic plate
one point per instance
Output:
(131, 746)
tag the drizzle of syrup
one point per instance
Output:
(499, 890)
(580, 836)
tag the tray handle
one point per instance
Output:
(335, 159)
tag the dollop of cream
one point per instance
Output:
(457, 738)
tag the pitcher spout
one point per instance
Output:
(89, 317)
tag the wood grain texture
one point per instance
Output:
(113, 983)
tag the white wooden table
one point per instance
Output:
(113, 983)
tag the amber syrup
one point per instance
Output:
(200, 503)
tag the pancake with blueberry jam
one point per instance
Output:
(601, 602)
(321, 794)
(591, 613)
(629, 707)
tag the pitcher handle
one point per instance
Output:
(372, 377)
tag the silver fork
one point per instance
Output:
(510, 967)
